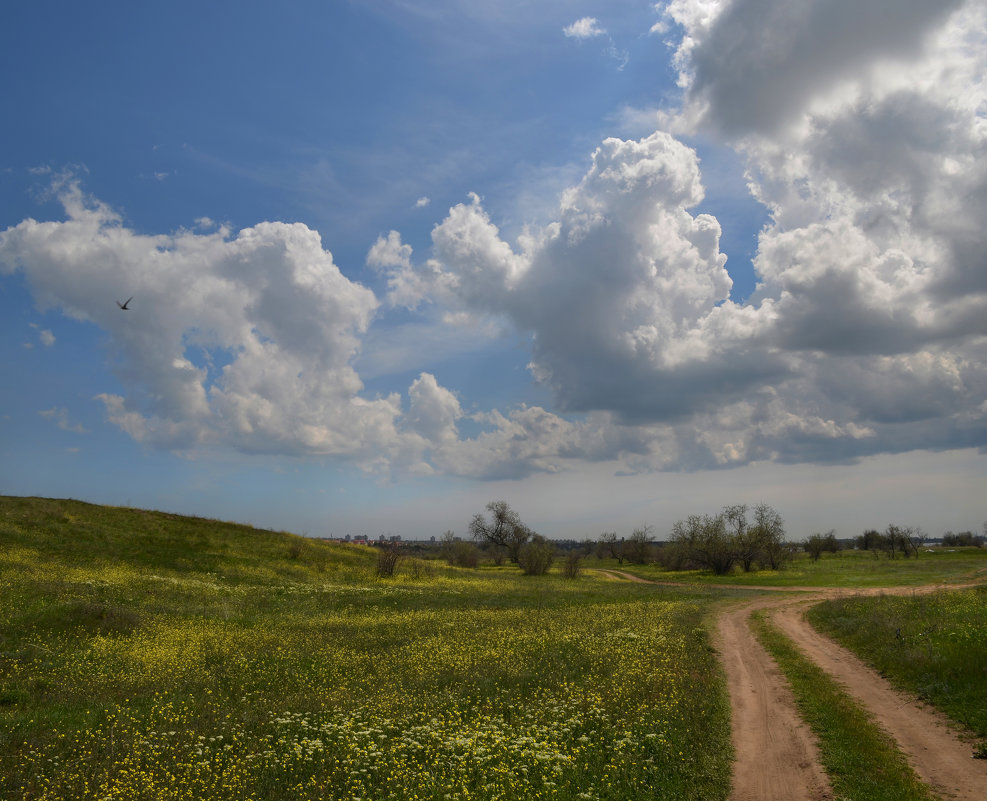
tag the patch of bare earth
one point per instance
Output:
(775, 753)
(776, 756)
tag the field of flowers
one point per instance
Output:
(933, 645)
(146, 656)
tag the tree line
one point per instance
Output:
(738, 537)
(749, 537)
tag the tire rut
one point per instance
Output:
(776, 757)
(938, 755)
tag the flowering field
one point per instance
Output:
(146, 656)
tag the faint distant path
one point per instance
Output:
(776, 756)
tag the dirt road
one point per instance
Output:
(776, 758)
(775, 752)
(939, 757)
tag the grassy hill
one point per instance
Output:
(151, 656)
(83, 535)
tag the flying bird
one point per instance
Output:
(124, 304)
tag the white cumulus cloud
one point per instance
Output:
(868, 330)
(238, 340)
(584, 28)
(861, 127)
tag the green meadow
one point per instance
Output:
(145, 655)
(149, 656)
(849, 569)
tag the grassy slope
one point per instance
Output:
(154, 656)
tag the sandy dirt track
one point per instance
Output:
(775, 752)
(937, 754)
(776, 758)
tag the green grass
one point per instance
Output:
(150, 656)
(845, 569)
(863, 762)
(934, 646)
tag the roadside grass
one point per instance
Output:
(934, 646)
(850, 569)
(146, 655)
(862, 761)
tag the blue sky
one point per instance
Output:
(614, 263)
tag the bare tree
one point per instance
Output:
(706, 542)
(505, 530)
(637, 549)
(769, 531)
(746, 541)
(760, 541)
(901, 539)
(611, 546)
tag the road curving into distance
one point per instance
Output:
(776, 757)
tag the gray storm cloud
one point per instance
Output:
(760, 62)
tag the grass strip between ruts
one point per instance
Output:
(863, 762)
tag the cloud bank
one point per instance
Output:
(862, 127)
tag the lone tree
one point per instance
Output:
(505, 530)
(610, 546)
(769, 530)
(638, 548)
(746, 539)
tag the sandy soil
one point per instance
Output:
(775, 753)
(776, 757)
